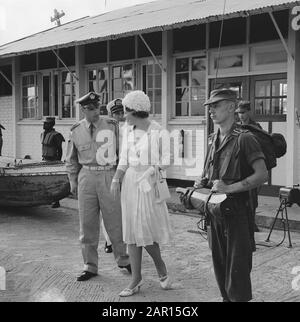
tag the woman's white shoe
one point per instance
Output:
(130, 291)
(165, 282)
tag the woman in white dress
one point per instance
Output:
(145, 218)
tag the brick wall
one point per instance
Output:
(6, 121)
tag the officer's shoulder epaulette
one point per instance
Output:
(74, 126)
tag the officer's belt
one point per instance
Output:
(98, 168)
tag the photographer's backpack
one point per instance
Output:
(273, 145)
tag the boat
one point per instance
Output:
(27, 183)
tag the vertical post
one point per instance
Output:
(80, 86)
(293, 104)
(167, 48)
(16, 103)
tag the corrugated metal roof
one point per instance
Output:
(147, 17)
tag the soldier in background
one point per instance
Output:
(245, 117)
(51, 145)
(1, 139)
(91, 164)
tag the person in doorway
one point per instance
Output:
(1, 139)
(145, 219)
(51, 145)
(91, 164)
(245, 117)
(234, 165)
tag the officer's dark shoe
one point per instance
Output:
(56, 204)
(128, 267)
(256, 229)
(108, 248)
(85, 275)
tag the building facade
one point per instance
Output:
(254, 49)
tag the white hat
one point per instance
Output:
(137, 101)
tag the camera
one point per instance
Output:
(290, 195)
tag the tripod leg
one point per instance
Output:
(274, 221)
(288, 228)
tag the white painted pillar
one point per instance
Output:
(80, 87)
(167, 101)
(293, 104)
(16, 103)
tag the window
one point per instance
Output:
(190, 86)
(68, 95)
(29, 97)
(270, 97)
(98, 82)
(123, 80)
(152, 85)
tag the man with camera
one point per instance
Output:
(234, 165)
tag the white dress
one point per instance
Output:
(144, 219)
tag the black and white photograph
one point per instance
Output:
(149, 153)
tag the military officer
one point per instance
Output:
(91, 164)
(51, 145)
(116, 110)
(234, 165)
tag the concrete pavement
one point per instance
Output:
(40, 251)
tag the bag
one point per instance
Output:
(273, 145)
(161, 187)
(202, 199)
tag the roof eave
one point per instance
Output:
(158, 28)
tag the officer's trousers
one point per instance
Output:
(1, 143)
(232, 247)
(93, 195)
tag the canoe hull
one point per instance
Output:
(33, 185)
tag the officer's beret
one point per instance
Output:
(115, 106)
(50, 119)
(89, 98)
(221, 95)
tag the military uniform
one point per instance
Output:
(232, 235)
(91, 161)
(51, 142)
